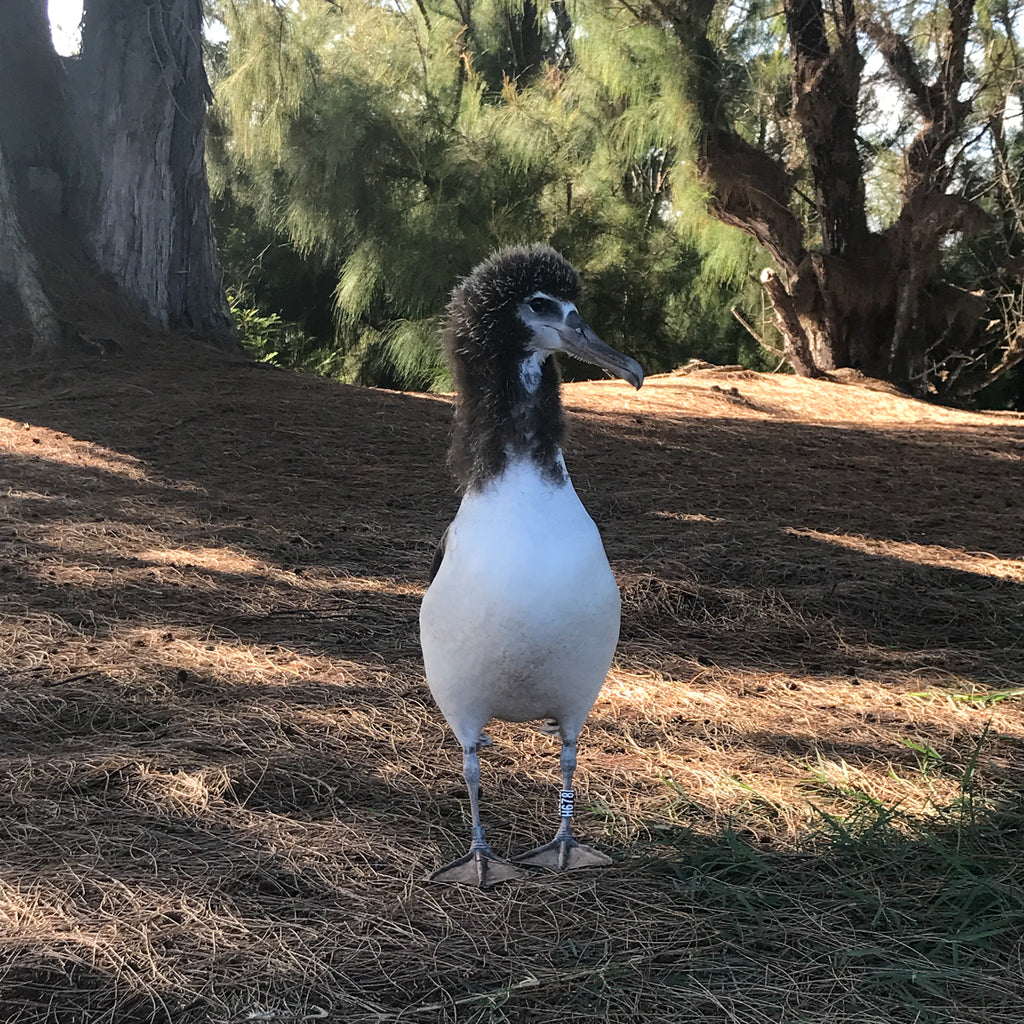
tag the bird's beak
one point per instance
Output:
(579, 340)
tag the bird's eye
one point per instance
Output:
(539, 305)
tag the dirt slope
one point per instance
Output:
(223, 774)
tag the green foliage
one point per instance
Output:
(366, 154)
(389, 147)
(264, 335)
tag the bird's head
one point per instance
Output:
(520, 306)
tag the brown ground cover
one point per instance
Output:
(224, 778)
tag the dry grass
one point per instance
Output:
(224, 778)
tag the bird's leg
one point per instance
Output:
(471, 773)
(567, 797)
(563, 852)
(480, 867)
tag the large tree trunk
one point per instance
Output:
(141, 95)
(106, 154)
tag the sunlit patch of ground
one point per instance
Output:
(39, 443)
(929, 554)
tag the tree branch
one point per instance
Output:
(751, 191)
(757, 337)
(795, 342)
(937, 103)
(899, 58)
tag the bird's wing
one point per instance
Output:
(438, 558)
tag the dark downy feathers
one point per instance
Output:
(486, 343)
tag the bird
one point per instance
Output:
(520, 619)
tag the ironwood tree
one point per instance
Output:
(104, 204)
(782, 140)
(364, 155)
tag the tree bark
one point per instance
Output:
(34, 159)
(103, 181)
(796, 344)
(142, 95)
(18, 267)
(33, 108)
(826, 88)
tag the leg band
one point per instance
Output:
(566, 799)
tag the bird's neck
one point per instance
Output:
(512, 417)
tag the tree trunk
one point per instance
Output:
(826, 88)
(19, 269)
(33, 158)
(104, 182)
(141, 95)
(525, 43)
(873, 301)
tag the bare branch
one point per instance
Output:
(795, 341)
(901, 62)
(757, 337)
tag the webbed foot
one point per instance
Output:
(478, 867)
(564, 854)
